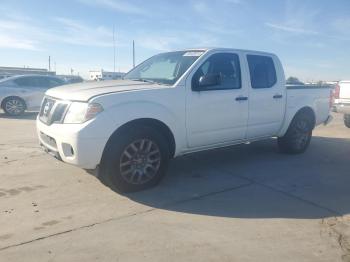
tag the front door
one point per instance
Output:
(218, 113)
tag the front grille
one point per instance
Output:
(52, 111)
(48, 140)
(58, 113)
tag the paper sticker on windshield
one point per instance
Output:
(193, 53)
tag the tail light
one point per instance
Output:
(334, 95)
(336, 92)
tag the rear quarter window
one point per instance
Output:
(53, 82)
(262, 71)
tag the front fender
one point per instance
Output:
(130, 111)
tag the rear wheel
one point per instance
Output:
(347, 120)
(298, 136)
(135, 159)
(14, 106)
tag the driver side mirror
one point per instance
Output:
(207, 81)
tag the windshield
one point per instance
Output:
(164, 68)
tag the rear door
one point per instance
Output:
(30, 88)
(42, 84)
(267, 96)
(219, 113)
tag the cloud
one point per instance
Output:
(234, 1)
(77, 33)
(18, 33)
(159, 43)
(169, 40)
(117, 5)
(290, 29)
(201, 7)
(297, 19)
(215, 23)
(10, 41)
(15, 33)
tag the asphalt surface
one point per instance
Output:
(243, 203)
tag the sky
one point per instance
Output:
(311, 37)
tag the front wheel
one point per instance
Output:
(14, 106)
(135, 159)
(298, 136)
(347, 121)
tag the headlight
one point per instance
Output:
(79, 112)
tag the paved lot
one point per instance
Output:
(246, 203)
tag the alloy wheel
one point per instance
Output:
(301, 133)
(14, 106)
(140, 161)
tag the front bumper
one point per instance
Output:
(71, 144)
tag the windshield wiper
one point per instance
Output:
(144, 80)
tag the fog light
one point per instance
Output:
(68, 150)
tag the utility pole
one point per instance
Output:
(49, 63)
(133, 53)
(114, 49)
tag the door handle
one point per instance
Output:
(277, 96)
(241, 98)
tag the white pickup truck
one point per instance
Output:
(173, 104)
(342, 100)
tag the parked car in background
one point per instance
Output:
(177, 103)
(342, 100)
(4, 76)
(25, 92)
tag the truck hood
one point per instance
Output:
(87, 90)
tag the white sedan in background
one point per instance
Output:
(25, 92)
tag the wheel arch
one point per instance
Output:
(309, 112)
(148, 122)
(303, 110)
(9, 97)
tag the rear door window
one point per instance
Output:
(26, 81)
(262, 71)
(49, 82)
(54, 82)
(42, 82)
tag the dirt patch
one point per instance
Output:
(339, 228)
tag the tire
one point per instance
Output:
(135, 159)
(298, 136)
(14, 106)
(347, 121)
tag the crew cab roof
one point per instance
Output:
(223, 49)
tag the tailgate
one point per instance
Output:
(344, 90)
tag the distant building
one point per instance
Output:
(100, 75)
(12, 71)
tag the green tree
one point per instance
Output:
(292, 80)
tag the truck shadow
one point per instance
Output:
(256, 181)
(25, 116)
